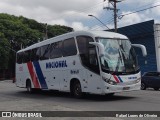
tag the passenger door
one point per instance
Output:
(89, 61)
(94, 79)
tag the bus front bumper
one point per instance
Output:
(121, 88)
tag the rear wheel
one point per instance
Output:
(29, 87)
(77, 91)
(110, 94)
(156, 88)
(143, 86)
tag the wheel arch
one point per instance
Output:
(72, 81)
(28, 80)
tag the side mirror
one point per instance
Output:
(100, 47)
(143, 48)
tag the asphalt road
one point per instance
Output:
(17, 99)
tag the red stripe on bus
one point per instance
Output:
(33, 75)
(115, 77)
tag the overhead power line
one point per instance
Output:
(143, 6)
(121, 16)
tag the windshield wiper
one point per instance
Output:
(119, 59)
(118, 63)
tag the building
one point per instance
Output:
(143, 33)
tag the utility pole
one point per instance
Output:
(115, 15)
(115, 10)
(45, 36)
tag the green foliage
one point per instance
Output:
(16, 32)
(57, 30)
(4, 52)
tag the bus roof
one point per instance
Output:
(93, 34)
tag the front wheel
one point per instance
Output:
(77, 91)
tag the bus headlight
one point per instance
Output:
(109, 81)
(138, 80)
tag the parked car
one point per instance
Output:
(150, 80)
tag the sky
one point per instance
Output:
(74, 13)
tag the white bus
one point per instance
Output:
(96, 62)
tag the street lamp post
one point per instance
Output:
(100, 21)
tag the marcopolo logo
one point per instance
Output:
(131, 78)
(56, 64)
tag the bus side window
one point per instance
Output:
(55, 50)
(26, 56)
(20, 58)
(88, 53)
(69, 47)
(35, 55)
(44, 52)
(93, 57)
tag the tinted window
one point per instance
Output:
(88, 53)
(69, 47)
(35, 55)
(56, 50)
(93, 57)
(83, 43)
(20, 58)
(26, 57)
(44, 52)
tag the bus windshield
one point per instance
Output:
(119, 56)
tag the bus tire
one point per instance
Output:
(29, 86)
(77, 91)
(110, 94)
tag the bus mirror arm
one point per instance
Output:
(100, 47)
(143, 48)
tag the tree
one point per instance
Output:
(4, 52)
(17, 32)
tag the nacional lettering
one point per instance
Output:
(56, 64)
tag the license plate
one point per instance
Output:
(126, 88)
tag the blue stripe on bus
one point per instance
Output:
(40, 75)
(120, 79)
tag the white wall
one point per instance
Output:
(157, 44)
